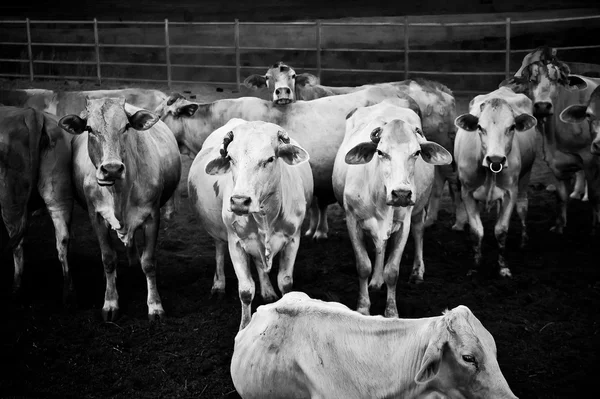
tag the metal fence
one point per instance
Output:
(405, 51)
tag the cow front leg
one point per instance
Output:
(417, 227)
(363, 263)
(501, 231)
(323, 225)
(392, 267)
(110, 309)
(61, 219)
(377, 279)
(246, 288)
(562, 197)
(267, 292)
(476, 228)
(151, 228)
(218, 287)
(285, 276)
(436, 194)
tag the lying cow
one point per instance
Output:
(494, 151)
(552, 89)
(435, 101)
(382, 177)
(35, 162)
(251, 186)
(300, 347)
(318, 126)
(125, 167)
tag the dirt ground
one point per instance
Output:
(544, 319)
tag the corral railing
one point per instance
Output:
(402, 48)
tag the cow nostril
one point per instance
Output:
(247, 201)
(401, 194)
(277, 91)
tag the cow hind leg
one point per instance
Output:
(61, 218)
(313, 216)
(218, 287)
(580, 187)
(322, 226)
(151, 228)
(418, 270)
(363, 263)
(476, 229)
(434, 199)
(562, 197)
(110, 309)
(392, 267)
(267, 292)
(460, 212)
(501, 232)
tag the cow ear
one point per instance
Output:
(72, 124)
(218, 166)
(255, 82)
(306, 79)
(143, 120)
(525, 122)
(430, 365)
(292, 154)
(575, 82)
(361, 154)
(467, 122)
(435, 154)
(517, 84)
(575, 113)
(187, 110)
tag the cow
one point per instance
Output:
(435, 101)
(566, 146)
(125, 167)
(35, 170)
(494, 152)
(299, 347)
(251, 186)
(317, 125)
(382, 177)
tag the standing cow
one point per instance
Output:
(35, 161)
(126, 165)
(251, 186)
(494, 152)
(305, 348)
(383, 176)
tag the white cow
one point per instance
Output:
(251, 186)
(126, 165)
(305, 348)
(494, 151)
(383, 177)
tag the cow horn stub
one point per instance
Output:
(376, 135)
(226, 140)
(283, 137)
(174, 97)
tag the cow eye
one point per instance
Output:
(294, 76)
(88, 129)
(269, 160)
(417, 153)
(379, 153)
(513, 127)
(470, 359)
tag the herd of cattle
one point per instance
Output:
(384, 152)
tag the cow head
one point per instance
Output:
(398, 147)
(176, 112)
(107, 122)
(280, 78)
(546, 80)
(496, 125)
(578, 113)
(255, 152)
(460, 359)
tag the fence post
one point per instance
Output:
(318, 26)
(168, 53)
(236, 40)
(29, 50)
(507, 62)
(97, 43)
(405, 47)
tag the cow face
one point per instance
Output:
(397, 148)
(254, 152)
(106, 122)
(545, 82)
(578, 113)
(460, 359)
(177, 112)
(280, 78)
(496, 126)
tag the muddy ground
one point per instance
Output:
(544, 319)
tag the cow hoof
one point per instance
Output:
(556, 229)
(415, 279)
(110, 314)
(585, 198)
(458, 227)
(270, 298)
(70, 300)
(217, 293)
(471, 273)
(309, 233)
(505, 272)
(390, 311)
(157, 316)
(429, 223)
(364, 311)
(551, 188)
(319, 236)
(376, 285)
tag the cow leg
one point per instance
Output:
(522, 207)
(377, 279)
(579, 189)
(501, 231)
(476, 228)
(322, 226)
(363, 263)
(246, 288)
(133, 255)
(392, 267)
(267, 292)
(416, 228)
(168, 209)
(110, 309)
(459, 208)
(314, 217)
(218, 287)
(61, 218)
(436, 194)
(15, 220)
(151, 228)
(592, 171)
(562, 201)
(285, 276)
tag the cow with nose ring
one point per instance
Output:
(494, 151)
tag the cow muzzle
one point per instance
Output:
(109, 172)
(240, 204)
(282, 96)
(496, 163)
(400, 197)
(541, 109)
